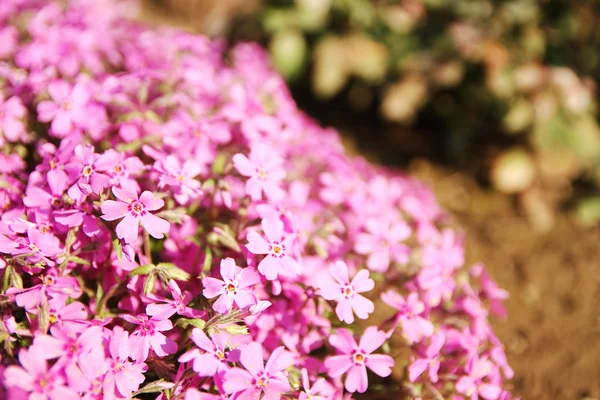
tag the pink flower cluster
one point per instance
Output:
(172, 226)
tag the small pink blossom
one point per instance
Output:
(123, 377)
(89, 170)
(264, 170)
(258, 378)
(66, 109)
(164, 308)
(52, 286)
(68, 343)
(38, 247)
(35, 378)
(356, 358)
(148, 335)
(474, 386)
(135, 209)
(382, 244)
(409, 314)
(180, 178)
(12, 115)
(234, 288)
(320, 390)
(346, 292)
(277, 248)
(216, 356)
(430, 361)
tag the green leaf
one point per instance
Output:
(99, 291)
(207, 260)
(226, 236)
(171, 271)
(6, 278)
(118, 248)
(155, 387)
(70, 239)
(195, 322)
(236, 329)
(176, 215)
(43, 317)
(78, 260)
(143, 270)
(11, 279)
(208, 185)
(149, 284)
(219, 164)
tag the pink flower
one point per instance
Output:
(61, 313)
(382, 243)
(135, 210)
(216, 356)
(430, 361)
(35, 378)
(88, 169)
(148, 335)
(38, 247)
(473, 385)
(67, 107)
(345, 292)
(12, 114)
(265, 172)
(170, 307)
(320, 387)
(491, 290)
(356, 358)
(234, 288)
(68, 343)
(409, 313)
(258, 378)
(53, 285)
(278, 250)
(123, 375)
(180, 177)
(87, 376)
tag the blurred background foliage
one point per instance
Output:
(505, 89)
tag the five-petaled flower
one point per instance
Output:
(356, 358)
(430, 361)
(346, 292)
(148, 335)
(216, 356)
(277, 248)
(265, 172)
(234, 288)
(133, 210)
(258, 378)
(410, 311)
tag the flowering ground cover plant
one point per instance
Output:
(173, 227)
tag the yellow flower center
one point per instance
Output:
(359, 358)
(261, 383)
